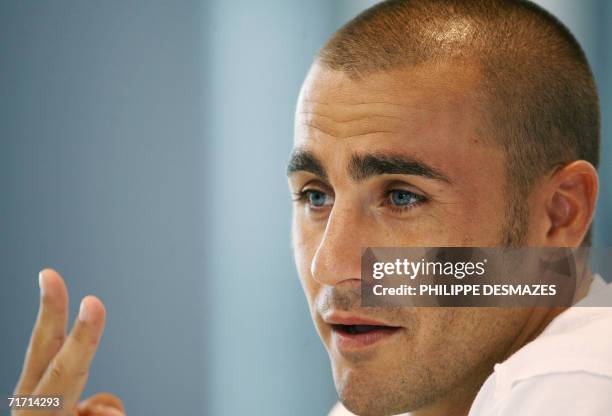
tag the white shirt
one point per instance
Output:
(566, 370)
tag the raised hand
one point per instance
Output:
(58, 365)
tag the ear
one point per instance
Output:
(570, 204)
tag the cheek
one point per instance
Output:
(468, 221)
(478, 227)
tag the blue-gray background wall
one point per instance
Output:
(142, 150)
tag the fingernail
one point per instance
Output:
(40, 283)
(83, 312)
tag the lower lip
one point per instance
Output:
(346, 341)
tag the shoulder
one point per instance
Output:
(577, 340)
(564, 371)
(559, 394)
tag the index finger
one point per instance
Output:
(49, 330)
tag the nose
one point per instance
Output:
(338, 257)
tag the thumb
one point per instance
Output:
(101, 404)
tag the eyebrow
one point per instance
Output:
(305, 161)
(362, 167)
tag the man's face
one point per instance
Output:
(396, 159)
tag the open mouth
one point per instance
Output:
(355, 337)
(361, 329)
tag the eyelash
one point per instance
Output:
(299, 196)
(302, 197)
(399, 209)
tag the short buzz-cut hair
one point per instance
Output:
(537, 89)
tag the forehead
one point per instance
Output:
(432, 112)
(452, 79)
(406, 98)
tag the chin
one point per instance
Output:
(367, 394)
(371, 406)
(385, 385)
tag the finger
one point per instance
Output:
(49, 330)
(101, 410)
(67, 373)
(101, 399)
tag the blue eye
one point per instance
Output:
(317, 198)
(403, 198)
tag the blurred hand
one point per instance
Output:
(58, 365)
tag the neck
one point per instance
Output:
(542, 317)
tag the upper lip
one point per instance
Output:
(341, 319)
